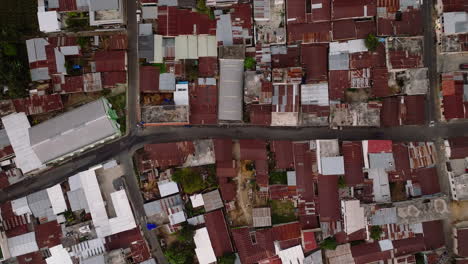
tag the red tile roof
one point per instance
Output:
(303, 162)
(408, 245)
(31, 258)
(309, 32)
(368, 59)
(223, 149)
(353, 162)
(462, 237)
(282, 192)
(249, 252)
(454, 5)
(380, 82)
(314, 59)
(389, 115)
(241, 16)
(329, 207)
(309, 221)
(110, 79)
(287, 231)
(453, 106)
(203, 104)
(428, 179)
(132, 239)
(252, 149)
(308, 240)
(108, 61)
(207, 66)
(48, 235)
(379, 146)
(219, 234)
(415, 106)
(458, 147)
(433, 234)
(226, 169)
(344, 29)
(174, 21)
(283, 153)
(338, 83)
(149, 79)
(228, 189)
(356, 8)
(260, 114)
(13, 225)
(38, 104)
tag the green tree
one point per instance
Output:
(249, 63)
(329, 243)
(180, 253)
(341, 182)
(375, 232)
(190, 180)
(9, 49)
(186, 233)
(371, 42)
(227, 259)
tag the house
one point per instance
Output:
(460, 241)
(353, 216)
(230, 90)
(261, 217)
(47, 143)
(219, 233)
(49, 21)
(285, 104)
(203, 248)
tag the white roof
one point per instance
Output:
(207, 46)
(194, 46)
(158, 48)
(315, 94)
(57, 199)
(350, 46)
(353, 216)
(181, 94)
(385, 244)
(17, 126)
(22, 244)
(36, 49)
(291, 255)
(48, 21)
(332, 165)
(455, 22)
(89, 248)
(20, 206)
(380, 185)
(104, 226)
(59, 255)
(149, 12)
(197, 200)
(177, 218)
(291, 178)
(70, 50)
(203, 248)
(167, 188)
(60, 61)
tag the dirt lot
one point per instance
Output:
(77, 99)
(459, 211)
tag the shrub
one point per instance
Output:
(371, 42)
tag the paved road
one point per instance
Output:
(133, 67)
(430, 61)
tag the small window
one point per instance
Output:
(253, 238)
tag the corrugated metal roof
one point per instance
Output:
(224, 30)
(22, 244)
(261, 217)
(231, 89)
(212, 201)
(203, 247)
(101, 5)
(40, 74)
(36, 49)
(219, 234)
(315, 94)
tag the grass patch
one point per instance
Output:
(278, 177)
(195, 179)
(282, 212)
(119, 103)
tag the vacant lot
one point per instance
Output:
(20, 15)
(282, 212)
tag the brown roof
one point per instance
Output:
(164, 155)
(338, 83)
(297, 11)
(149, 79)
(458, 147)
(453, 106)
(203, 104)
(223, 149)
(260, 114)
(219, 234)
(369, 252)
(287, 231)
(368, 59)
(402, 163)
(409, 245)
(228, 189)
(410, 24)
(283, 152)
(314, 60)
(303, 162)
(433, 234)
(117, 42)
(380, 82)
(428, 179)
(252, 149)
(462, 237)
(344, 29)
(292, 58)
(389, 115)
(48, 235)
(403, 59)
(356, 8)
(329, 207)
(250, 252)
(110, 79)
(415, 106)
(175, 21)
(107, 61)
(207, 66)
(38, 104)
(455, 5)
(31, 258)
(319, 32)
(353, 162)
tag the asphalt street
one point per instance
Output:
(430, 60)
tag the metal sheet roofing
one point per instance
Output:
(314, 60)
(36, 49)
(149, 79)
(329, 204)
(261, 217)
(358, 8)
(231, 89)
(22, 244)
(218, 232)
(57, 199)
(101, 5)
(212, 201)
(203, 247)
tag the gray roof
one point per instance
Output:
(145, 29)
(384, 216)
(22, 244)
(338, 61)
(73, 130)
(78, 200)
(153, 208)
(4, 140)
(159, 206)
(167, 82)
(149, 261)
(36, 49)
(224, 30)
(314, 258)
(99, 259)
(40, 205)
(146, 47)
(99, 5)
(53, 3)
(261, 217)
(465, 92)
(291, 178)
(231, 89)
(39, 74)
(382, 161)
(332, 165)
(167, 3)
(212, 201)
